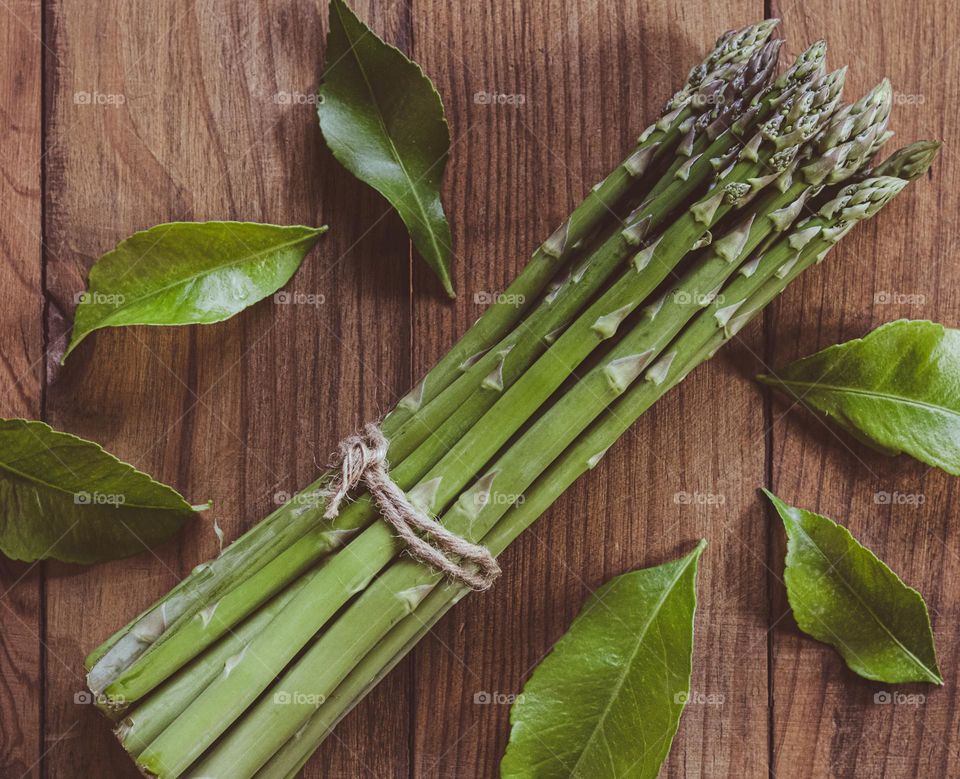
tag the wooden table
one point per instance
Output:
(117, 115)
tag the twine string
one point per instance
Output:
(363, 458)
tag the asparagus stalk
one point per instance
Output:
(399, 590)
(235, 604)
(694, 346)
(752, 166)
(284, 526)
(511, 356)
(159, 710)
(371, 670)
(442, 422)
(748, 192)
(731, 49)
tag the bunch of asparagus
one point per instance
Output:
(740, 185)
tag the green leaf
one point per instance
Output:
(383, 120)
(606, 702)
(187, 273)
(843, 595)
(66, 498)
(897, 389)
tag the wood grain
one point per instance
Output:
(592, 75)
(216, 121)
(21, 367)
(826, 720)
(197, 109)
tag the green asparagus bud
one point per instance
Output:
(910, 162)
(850, 139)
(732, 48)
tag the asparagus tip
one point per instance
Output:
(910, 162)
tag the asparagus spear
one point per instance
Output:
(511, 356)
(289, 522)
(731, 51)
(349, 581)
(399, 590)
(442, 423)
(695, 345)
(162, 708)
(202, 630)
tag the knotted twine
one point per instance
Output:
(363, 458)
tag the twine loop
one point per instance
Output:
(363, 458)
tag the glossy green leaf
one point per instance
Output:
(383, 120)
(606, 702)
(897, 389)
(843, 595)
(186, 273)
(66, 498)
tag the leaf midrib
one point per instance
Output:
(843, 389)
(629, 665)
(839, 575)
(30, 479)
(386, 134)
(207, 272)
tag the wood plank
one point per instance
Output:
(592, 74)
(826, 721)
(197, 111)
(21, 367)
(233, 410)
